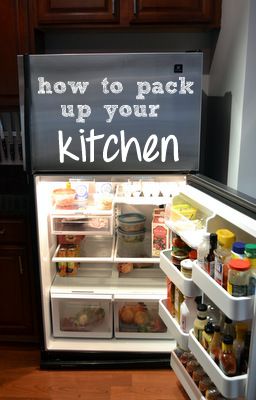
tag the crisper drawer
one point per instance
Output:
(82, 224)
(82, 315)
(137, 316)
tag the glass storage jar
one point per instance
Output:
(238, 277)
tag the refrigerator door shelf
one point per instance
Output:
(188, 219)
(185, 285)
(140, 251)
(82, 315)
(236, 308)
(80, 224)
(230, 387)
(137, 317)
(92, 249)
(172, 325)
(185, 379)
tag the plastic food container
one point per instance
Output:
(131, 237)
(131, 222)
(64, 197)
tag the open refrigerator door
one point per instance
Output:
(225, 211)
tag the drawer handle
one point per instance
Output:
(135, 9)
(2, 231)
(20, 265)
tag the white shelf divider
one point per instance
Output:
(236, 308)
(185, 285)
(231, 387)
(185, 379)
(172, 325)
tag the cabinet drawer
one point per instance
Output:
(12, 231)
(82, 315)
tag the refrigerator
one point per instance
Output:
(111, 143)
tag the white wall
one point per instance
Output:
(227, 73)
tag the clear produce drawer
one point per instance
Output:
(82, 315)
(137, 317)
(82, 224)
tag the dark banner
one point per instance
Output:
(114, 112)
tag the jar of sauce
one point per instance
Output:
(186, 267)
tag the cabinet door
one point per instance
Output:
(188, 12)
(13, 41)
(15, 293)
(76, 11)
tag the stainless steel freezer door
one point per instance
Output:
(114, 112)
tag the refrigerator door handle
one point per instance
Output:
(20, 266)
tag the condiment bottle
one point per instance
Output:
(178, 299)
(200, 321)
(215, 345)
(229, 328)
(238, 250)
(207, 335)
(222, 255)
(170, 296)
(191, 366)
(212, 394)
(188, 313)
(198, 374)
(204, 384)
(210, 259)
(203, 251)
(238, 277)
(227, 361)
(180, 250)
(250, 253)
(238, 345)
(178, 351)
(186, 357)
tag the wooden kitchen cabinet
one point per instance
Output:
(204, 14)
(14, 40)
(76, 11)
(17, 311)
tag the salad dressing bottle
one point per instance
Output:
(222, 256)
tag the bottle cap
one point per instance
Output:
(228, 339)
(213, 240)
(209, 328)
(202, 307)
(238, 247)
(228, 320)
(250, 250)
(186, 264)
(225, 237)
(239, 264)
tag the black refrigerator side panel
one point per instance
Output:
(233, 198)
